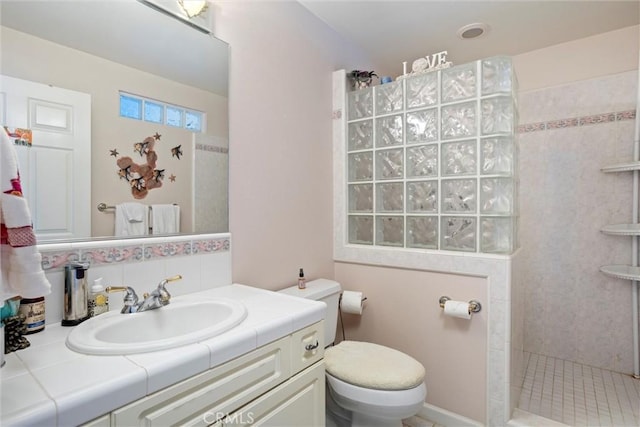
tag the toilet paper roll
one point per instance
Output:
(458, 309)
(351, 302)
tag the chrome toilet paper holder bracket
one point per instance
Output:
(474, 305)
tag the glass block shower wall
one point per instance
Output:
(431, 160)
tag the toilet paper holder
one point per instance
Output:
(474, 306)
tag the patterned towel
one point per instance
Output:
(20, 261)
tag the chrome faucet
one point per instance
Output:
(159, 297)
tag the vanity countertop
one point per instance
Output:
(49, 384)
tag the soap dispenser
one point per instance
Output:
(98, 299)
(76, 294)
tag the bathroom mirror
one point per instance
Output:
(110, 50)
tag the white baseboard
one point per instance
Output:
(446, 418)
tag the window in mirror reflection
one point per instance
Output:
(193, 121)
(130, 107)
(153, 111)
(174, 116)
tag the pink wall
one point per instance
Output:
(280, 153)
(281, 198)
(402, 312)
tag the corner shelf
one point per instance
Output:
(621, 271)
(628, 272)
(622, 167)
(622, 229)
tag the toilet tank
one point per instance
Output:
(327, 291)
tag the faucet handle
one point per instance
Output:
(130, 298)
(173, 278)
(163, 293)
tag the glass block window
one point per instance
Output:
(153, 112)
(430, 160)
(193, 120)
(130, 107)
(139, 108)
(174, 116)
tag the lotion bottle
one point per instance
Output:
(98, 299)
(302, 282)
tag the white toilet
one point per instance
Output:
(368, 385)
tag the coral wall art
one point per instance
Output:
(142, 177)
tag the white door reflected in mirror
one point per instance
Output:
(55, 178)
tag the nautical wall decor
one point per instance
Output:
(141, 177)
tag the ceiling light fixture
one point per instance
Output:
(473, 31)
(193, 8)
(194, 13)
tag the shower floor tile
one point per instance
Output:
(579, 395)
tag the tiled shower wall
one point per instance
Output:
(567, 133)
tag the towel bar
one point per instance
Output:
(104, 207)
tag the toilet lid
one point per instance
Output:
(374, 366)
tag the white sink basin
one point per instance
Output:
(179, 323)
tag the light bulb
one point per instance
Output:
(193, 8)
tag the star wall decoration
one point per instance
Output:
(172, 178)
(114, 152)
(157, 136)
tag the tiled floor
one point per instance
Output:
(579, 395)
(416, 421)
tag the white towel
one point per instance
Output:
(132, 219)
(20, 262)
(165, 219)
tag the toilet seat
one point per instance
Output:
(378, 398)
(373, 366)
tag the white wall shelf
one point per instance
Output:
(627, 272)
(622, 167)
(622, 229)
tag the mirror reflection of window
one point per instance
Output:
(153, 112)
(132, 80)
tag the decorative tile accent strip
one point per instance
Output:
(112, 255)
(601, 118)
(105, 253)
(626, 115)
(531, 127)
(55, 260)
(217, 245)
(167, 249)
(578, 121)
(563, 123)
(212, 148)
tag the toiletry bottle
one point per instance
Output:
(98, 299)
(33, 310)
(302, 282)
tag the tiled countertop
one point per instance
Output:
(47, 384)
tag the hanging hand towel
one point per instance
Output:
(132, 219)
(20, 261)
(165, 219)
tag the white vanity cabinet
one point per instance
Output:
(299, 402)
(279, 384)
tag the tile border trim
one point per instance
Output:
(104, 252)
(578, 121)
